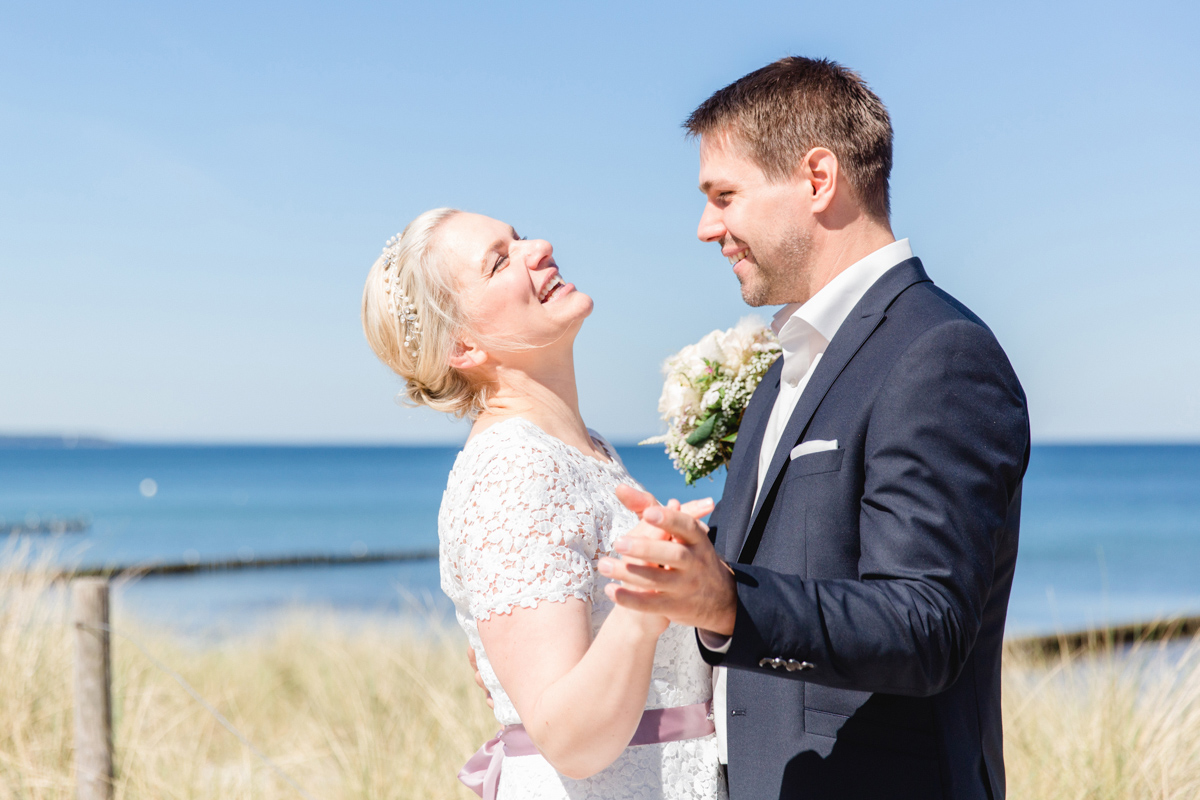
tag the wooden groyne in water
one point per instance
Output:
(1046, 646)
(1112, 637)
(48, 525)
(188, 567)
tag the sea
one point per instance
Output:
(1109, 533)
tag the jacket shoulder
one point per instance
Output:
(930, 322)
(927, 305)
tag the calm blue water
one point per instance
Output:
(225, 503)
(1110, 533)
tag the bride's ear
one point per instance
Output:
(467, 355)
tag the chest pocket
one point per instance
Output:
(816, 463)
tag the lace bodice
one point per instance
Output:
(524, 519)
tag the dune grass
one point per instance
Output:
(361, 711)
(1105, 725)
(380, 711)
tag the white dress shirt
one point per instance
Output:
(804, 331)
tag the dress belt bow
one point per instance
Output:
(481, 773)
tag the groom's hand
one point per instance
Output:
(680, 577)
(479, 678)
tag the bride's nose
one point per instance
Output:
(538, 253)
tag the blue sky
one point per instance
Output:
(191, 195)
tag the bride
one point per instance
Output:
(596, 701)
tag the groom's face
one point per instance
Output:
(763, 226)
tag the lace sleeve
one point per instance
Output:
(525, 534)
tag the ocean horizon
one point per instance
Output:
(1110, 532)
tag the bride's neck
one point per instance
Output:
(543, 392)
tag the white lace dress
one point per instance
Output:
(524, 519)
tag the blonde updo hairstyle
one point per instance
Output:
(412, 265)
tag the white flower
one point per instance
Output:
(728, 364)
(687, 361)
(709, 348)
(750, 329)
(738, 342)
(677, 397)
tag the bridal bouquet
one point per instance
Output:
(708, 385)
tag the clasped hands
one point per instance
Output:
(669, 567)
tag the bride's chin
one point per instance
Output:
(586, 303)
(574, 308)
(584, 313)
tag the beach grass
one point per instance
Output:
(377, 710)
(365, 710)
(1105, 724)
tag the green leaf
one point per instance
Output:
(703, 431)
(730, 438)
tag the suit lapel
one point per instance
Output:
(743, 464)
(857, 328)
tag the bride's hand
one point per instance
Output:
(655, 624)
(696, 509)
(638, 500)
(639, 623)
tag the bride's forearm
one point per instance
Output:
(582, 721)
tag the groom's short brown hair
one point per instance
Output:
(780, 112)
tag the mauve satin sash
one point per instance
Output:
(481, 774)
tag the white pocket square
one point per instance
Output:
(813, 446)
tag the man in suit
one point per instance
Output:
(852, 584)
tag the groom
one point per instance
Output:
(853, 582)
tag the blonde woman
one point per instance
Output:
(596, 701)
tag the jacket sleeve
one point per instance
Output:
(945, 451)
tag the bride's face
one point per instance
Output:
(510, 286)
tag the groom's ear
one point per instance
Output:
(467, 355)
(821, 170)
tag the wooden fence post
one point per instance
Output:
(93, 692)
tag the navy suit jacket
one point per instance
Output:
(878, 571)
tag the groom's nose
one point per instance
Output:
(712, 226)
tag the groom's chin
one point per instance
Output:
(755, 296)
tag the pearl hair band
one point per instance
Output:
(400, 305)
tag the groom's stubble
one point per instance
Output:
(781, 270)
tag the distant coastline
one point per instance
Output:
(55, 442)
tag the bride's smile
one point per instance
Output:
(511, 287)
